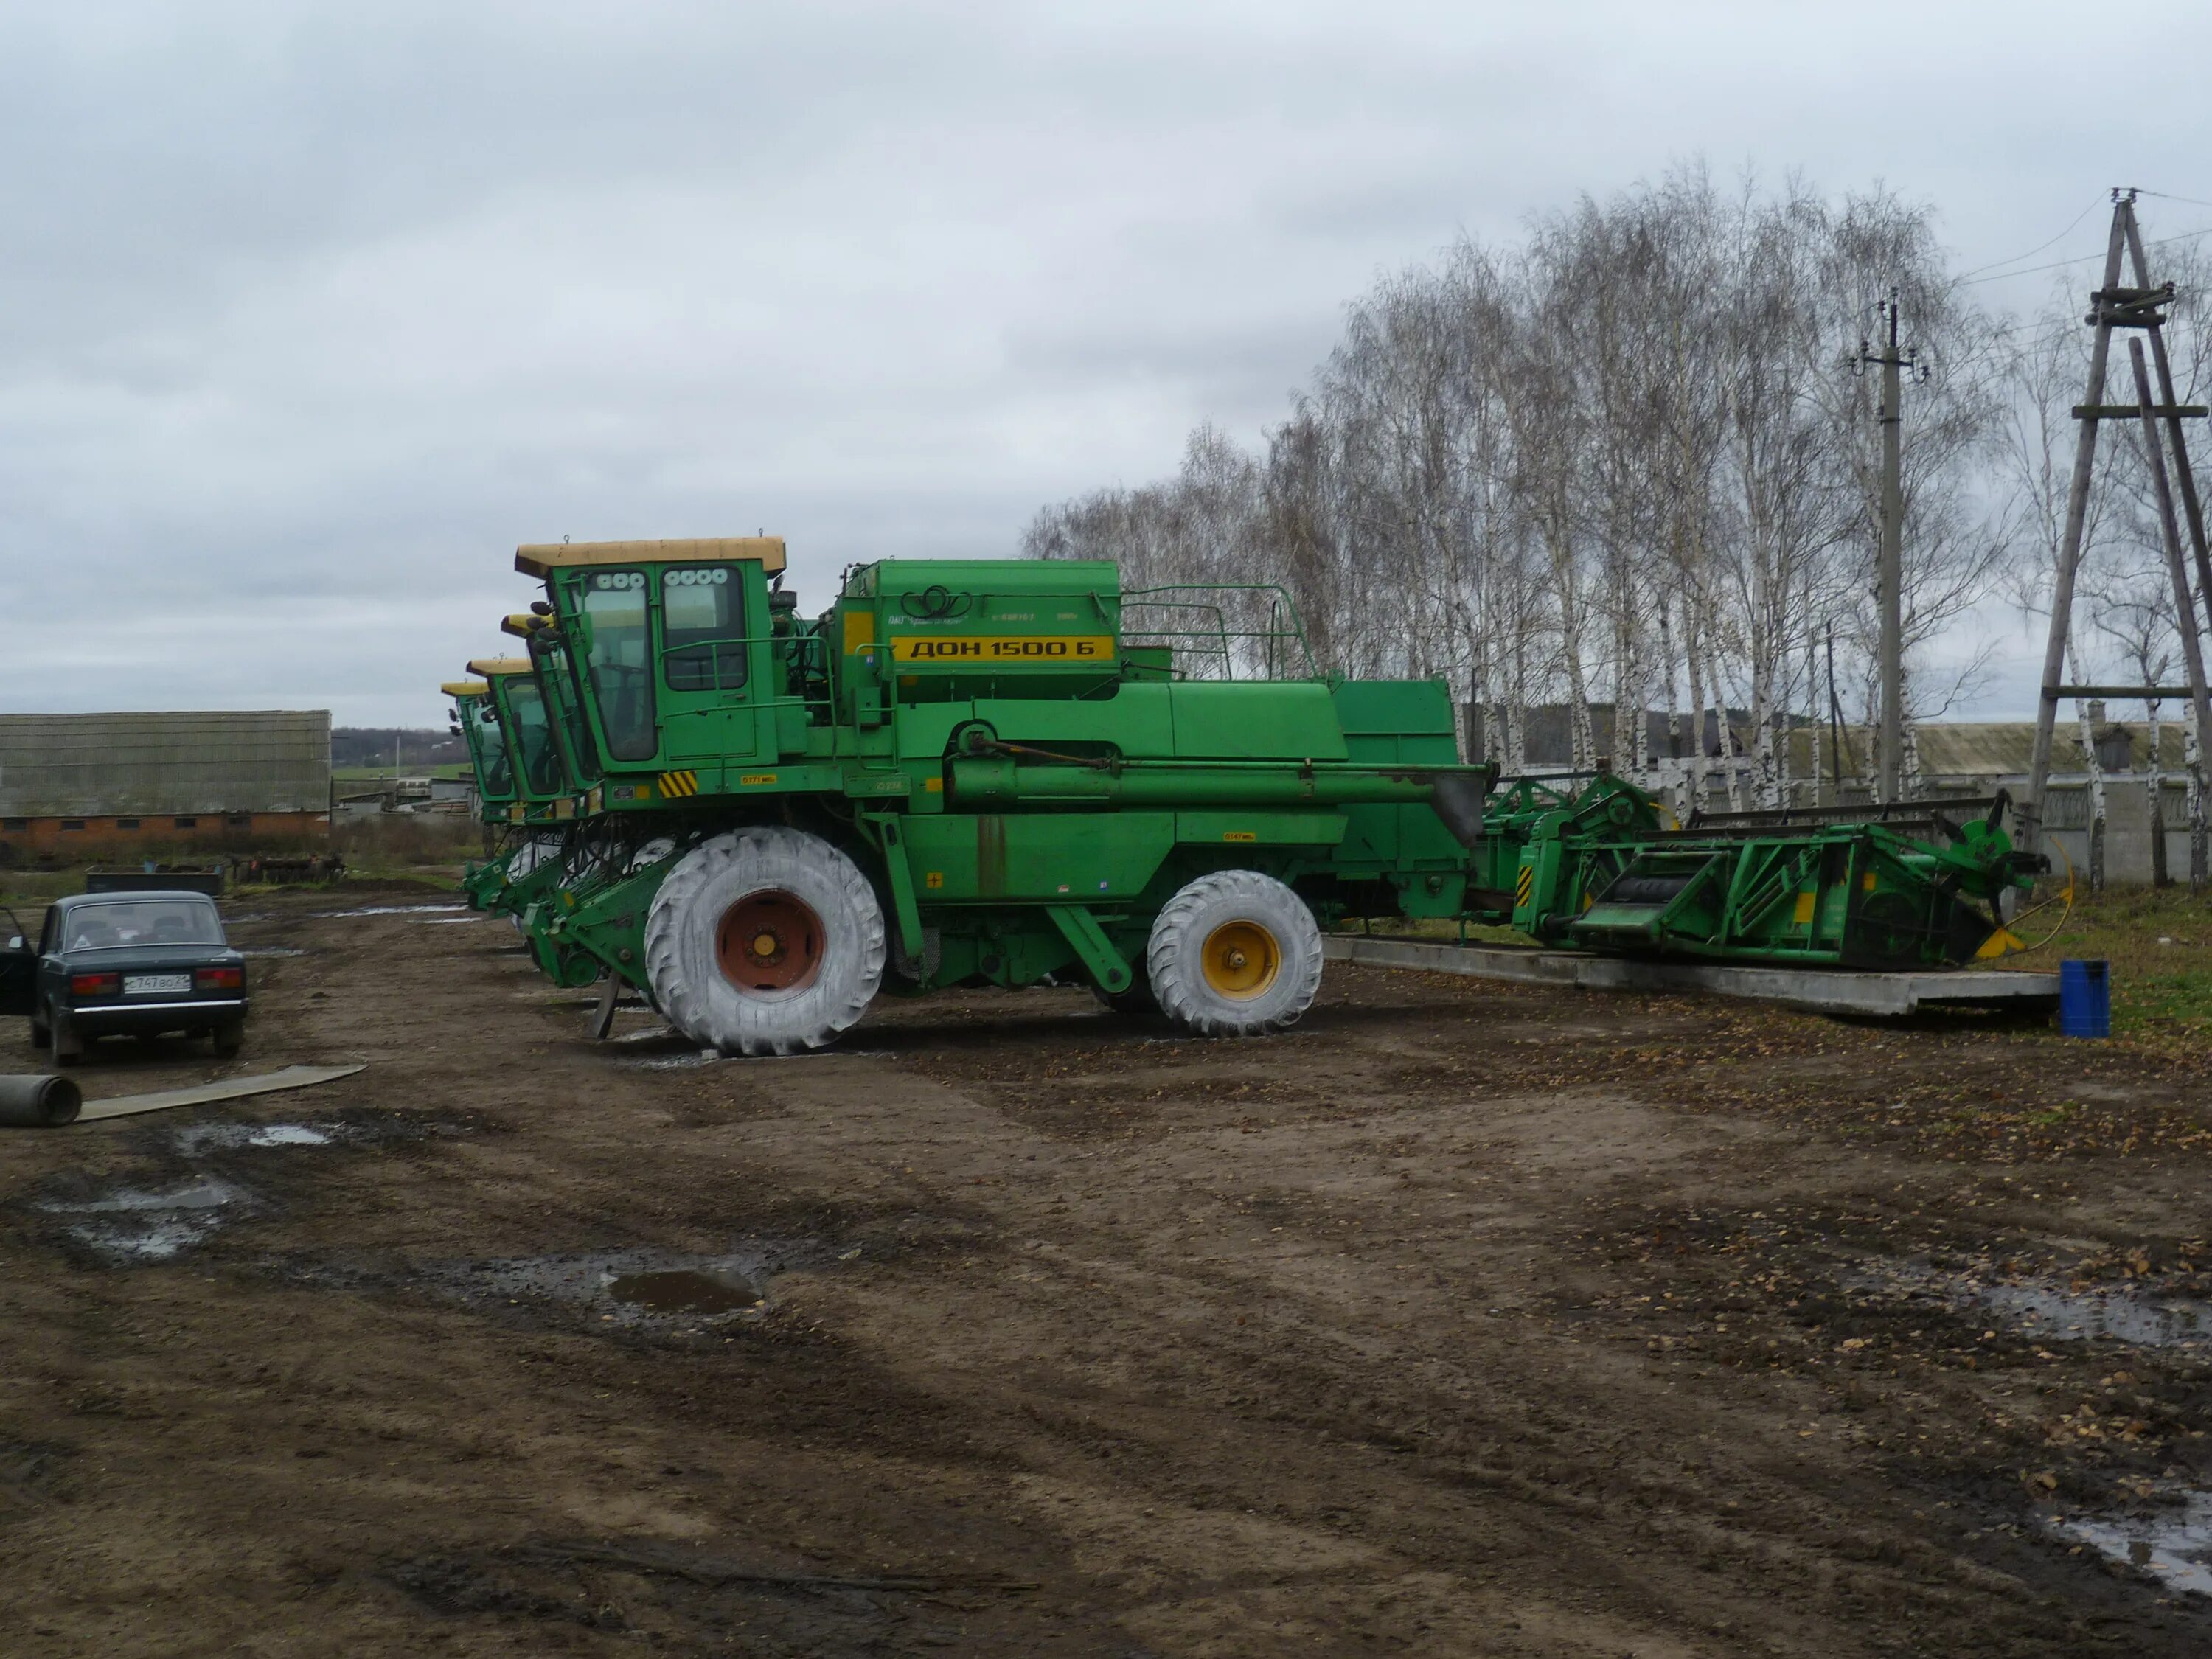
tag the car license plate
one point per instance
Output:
(139, 985)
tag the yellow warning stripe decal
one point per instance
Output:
(1523, 885)
(676, 785)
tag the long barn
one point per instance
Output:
(105, 786)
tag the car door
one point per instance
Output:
(19, 974)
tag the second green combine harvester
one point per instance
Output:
(1000, 771)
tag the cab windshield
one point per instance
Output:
(533, 736)
(557, 687)
(129, 924)
(620, 670)
(496, 777)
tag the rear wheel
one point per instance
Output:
(229, 1038)
(766, 940)
(1235, 954)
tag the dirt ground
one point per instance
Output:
(1466, 1319)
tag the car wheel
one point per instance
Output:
(41, 1038)
(228, 1037)
(61, 1036)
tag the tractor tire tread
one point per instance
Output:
(716, 1017)
(1176, 975)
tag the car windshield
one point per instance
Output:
(136, 923)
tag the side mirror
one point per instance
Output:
(15, 943)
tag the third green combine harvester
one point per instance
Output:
(997, 771)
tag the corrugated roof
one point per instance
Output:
(106, 765)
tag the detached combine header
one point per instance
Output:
(999, 771)
(1807, 887)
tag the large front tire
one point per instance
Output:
(1235, 954)
(765, 941)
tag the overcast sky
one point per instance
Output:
(309, 314)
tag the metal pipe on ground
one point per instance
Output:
(42, 1102)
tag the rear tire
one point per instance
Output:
(1235, 954)
(229, 1038)
(765, 941)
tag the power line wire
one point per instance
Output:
(2059, 265)
(2040, 246)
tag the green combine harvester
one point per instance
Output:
(1000, 772)
(522, 783)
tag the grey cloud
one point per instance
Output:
(309, 314)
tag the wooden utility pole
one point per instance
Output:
(2185, 608)
(2141, 306)
(1890, 570)
(2029, 810)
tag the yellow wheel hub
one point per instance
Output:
(1241, 959)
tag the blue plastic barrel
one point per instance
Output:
(2085, 999)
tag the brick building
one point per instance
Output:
(123, 786)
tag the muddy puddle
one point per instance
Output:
(636, 1288)
(2174, 1545)
(202, 1138)
(2050, 1311)
(155, 1223)
(709, 1290)
(148, 1220)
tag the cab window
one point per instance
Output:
(702, 627)
(533, 738)
(559, 695)
(620, 669)
(491, 751)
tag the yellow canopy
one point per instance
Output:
(536, 558)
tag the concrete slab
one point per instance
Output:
(1822, 990)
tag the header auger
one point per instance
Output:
(999, 771)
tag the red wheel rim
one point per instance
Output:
(769, 942)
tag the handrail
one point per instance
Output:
(1220, 640)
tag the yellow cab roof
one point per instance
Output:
(540, 558)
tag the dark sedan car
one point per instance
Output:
(131, 964)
